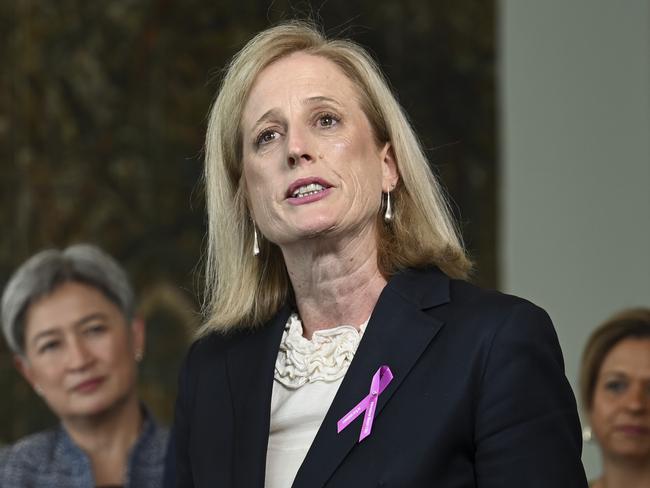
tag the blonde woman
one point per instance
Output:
(342, 345)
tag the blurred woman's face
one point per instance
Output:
(620, 412)
(311, 164)
(79, 351)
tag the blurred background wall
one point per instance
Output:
(575, 162)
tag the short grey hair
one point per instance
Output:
(44, 272)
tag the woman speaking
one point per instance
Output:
(342, 347)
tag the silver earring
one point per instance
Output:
(38, 390)
(587, 434)
(256, 245)
(138, 356)
(388, 214)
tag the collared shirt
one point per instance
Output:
(50, 459)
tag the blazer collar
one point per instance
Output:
(397, 334)
(424, 288)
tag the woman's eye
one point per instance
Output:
(48, 346)
(95, 329)
(327, 120)
(616, 386)
(266, 136)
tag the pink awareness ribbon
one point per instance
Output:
(380, 381)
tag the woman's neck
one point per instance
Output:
(335, 282)
(107, 439)
(624, 474)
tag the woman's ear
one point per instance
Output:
(22, 365)
(390, 173)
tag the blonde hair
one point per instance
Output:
(243, 290)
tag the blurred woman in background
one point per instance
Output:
(68, 316)
(615, 390)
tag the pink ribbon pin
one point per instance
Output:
(380, 381)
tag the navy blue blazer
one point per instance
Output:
(479, 398)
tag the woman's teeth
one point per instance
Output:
(307, 190)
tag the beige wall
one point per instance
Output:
(575, 162)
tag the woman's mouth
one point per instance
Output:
(88, 386)
(633, 430)
(307, 190)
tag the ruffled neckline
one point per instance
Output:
(326, 357)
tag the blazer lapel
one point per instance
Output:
(397, 334)
(251, 363)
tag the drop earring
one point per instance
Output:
(256, 245)
(388, 214)
(587, 434)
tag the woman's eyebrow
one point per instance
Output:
(274, 113)
(320, 99)
(268, 115)
(89, 318)
(44, 334)
(614, 372)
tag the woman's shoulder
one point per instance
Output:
(460, 296)
(488, 301)
(500, 314)
(33, 448)
(153, 440)
(211, 346)
(473, 314)
(28, 457)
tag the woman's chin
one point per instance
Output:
(93, 406)
(631, 452)
(319, 224)
(305, 232)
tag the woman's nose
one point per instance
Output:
(636, 399)
(78, 354)
(299, 147)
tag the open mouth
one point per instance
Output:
(307, 187)
(307, 190)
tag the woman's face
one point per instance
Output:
(312, 166)
(79, 351)
(620, 412)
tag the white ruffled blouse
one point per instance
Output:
(307, 376)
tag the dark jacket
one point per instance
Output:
(479, 398)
